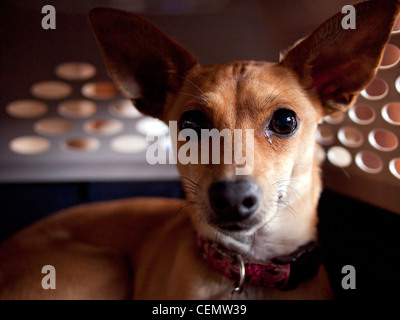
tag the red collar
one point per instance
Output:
(283, 272)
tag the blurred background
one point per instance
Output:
(68, 137)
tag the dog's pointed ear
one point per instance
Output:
(337, 63)
(142, 60)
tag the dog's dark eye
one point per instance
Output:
(195, 120)
(283, 122)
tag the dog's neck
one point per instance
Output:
(284, 272)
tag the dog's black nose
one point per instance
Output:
(234, 200)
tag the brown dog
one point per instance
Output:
(252, 233)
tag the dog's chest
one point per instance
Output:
(170, 266)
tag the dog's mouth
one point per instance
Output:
(231, 227)
(234, 226)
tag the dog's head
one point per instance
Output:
(270, 185)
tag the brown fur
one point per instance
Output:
(145, 248)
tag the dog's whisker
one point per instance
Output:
(345, 172)
(272, 96)
(187, 204)
(189, 187)
(189, 94)
(193, 84)
(191, 182)
(286, 190)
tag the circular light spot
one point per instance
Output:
(383, 139)
(103, 126)
(151, 127)
(124, 109)
(325, 136)
(52, 126)
(391, 113)
(334, 118)
(100, 90)
(321, 154)
(339, 156)
(84, 144)
(75, 71)
(362, 114)
(396, 27)
(391, 56)
(129, 144)
(397, 84)
(377, 89)
(394, 167)
(26, 108)
(51, 90)
(77, 108)
(29, 145)
(350, 137)
(369, 162)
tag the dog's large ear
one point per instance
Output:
(142, 60)
(337, 63)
